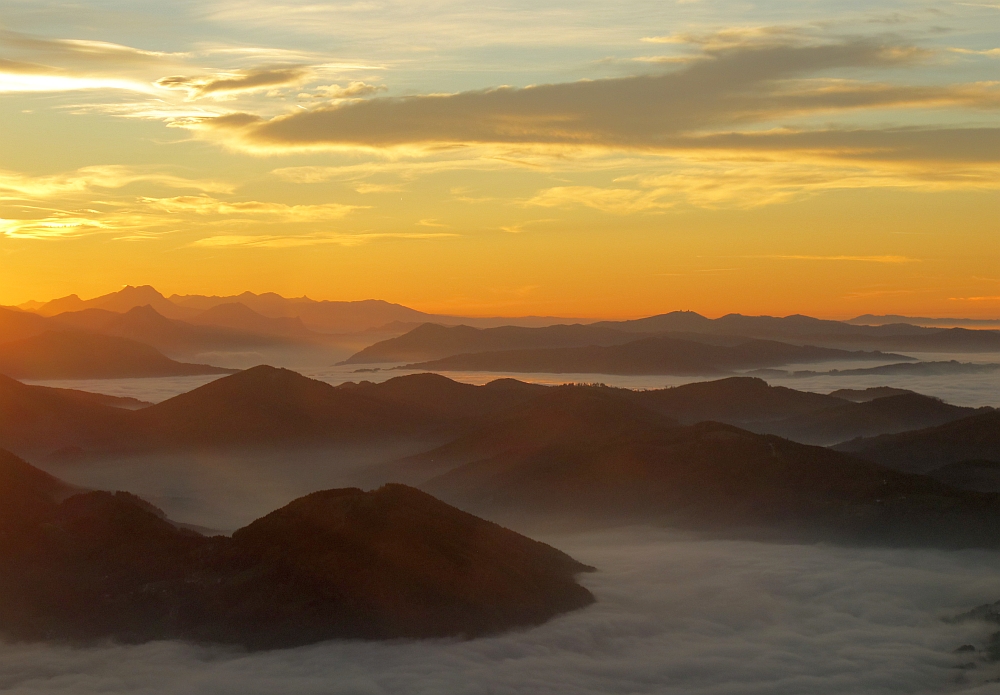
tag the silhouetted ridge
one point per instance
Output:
(890, 414)
(736, 400)
(267, 405)
(411, 565)
(339, 563)
(715, 476)
(657, 355)
(79, 355)
(971, 438)
(432, 341)
(36, 419)
(444, 398)
(869, 394)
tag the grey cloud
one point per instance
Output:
(956, 145)
(725, 88)
(243, 81)
(674, 615)
(78, 51)
(14, 67)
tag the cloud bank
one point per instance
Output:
(712, 104)
(674, 615)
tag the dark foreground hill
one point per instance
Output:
(649, 356)
(969, 439)
(393, 563)
(79, 355)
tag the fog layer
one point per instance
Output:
(972, 390)
(675, 614)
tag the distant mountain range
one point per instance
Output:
(628, 346)
(656, 355)
(888, 319)
(79, 355)
(82, 566)
(196, 328)
(900, 369)
(317, 316)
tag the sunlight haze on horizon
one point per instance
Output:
(584, 159)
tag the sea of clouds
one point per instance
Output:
(675, 614)
(973, 390)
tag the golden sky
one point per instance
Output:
(563, 158)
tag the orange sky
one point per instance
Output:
(559, 158)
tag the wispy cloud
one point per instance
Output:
(95, 177)
(51, 227)
(295, 241)
(619, 201)
(205, 205)
(229, 83)
(893, 260)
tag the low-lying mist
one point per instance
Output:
(223, 491)
(675, 614)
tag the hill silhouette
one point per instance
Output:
(260, 407)
(887, 415)
(79, 355)
(734, 400)
(972, 438)
(118, 302)
(431, 341)
(17, 325)
(174, 337)
(446, 399)
(707, 476)
(274, 407)
(805, 329)
(657, 355)
(869, 394)
(41, 420)
(583, 415)
(239, 316)
(339, 563)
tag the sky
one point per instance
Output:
(582, 159)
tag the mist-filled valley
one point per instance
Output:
(537, 347)
(739, 505)
(674, 613)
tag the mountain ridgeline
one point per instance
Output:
(271, 408)
(700, 455)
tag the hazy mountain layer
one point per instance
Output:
(79, 355)
(658, 355)
(432, 342)
(972, 438)
(617, 467)
(887, 415)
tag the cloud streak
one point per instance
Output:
(724, 89)
(228, 84)
(270, 241)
